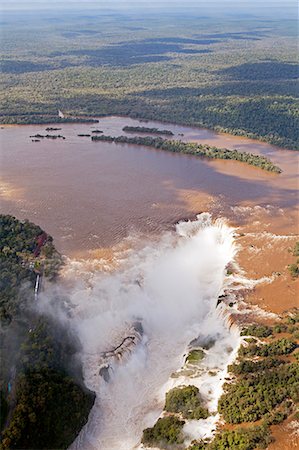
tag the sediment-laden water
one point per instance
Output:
(92, 195)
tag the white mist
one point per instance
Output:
(171, 286)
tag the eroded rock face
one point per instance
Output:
(120, 351)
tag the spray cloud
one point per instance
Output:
(137, 322)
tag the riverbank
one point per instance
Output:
(192, 149)
(52, 119)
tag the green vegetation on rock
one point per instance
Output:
(186, 401)
(257, 393)
(279, 347)
(296, 249)
(195, 356)
(251, 438)
(260, 331)
(129, 129)
(263, 384)
(247, 366)
(264, 389)
(294, 268)
(166, 431)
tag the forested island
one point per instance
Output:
(129, 129)
(44, 403)
(262, 391)
(187, 148)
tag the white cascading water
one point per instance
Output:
(170, 287)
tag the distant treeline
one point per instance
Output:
(42, 119)
(194, 149)
(187, 75)
(147, 130)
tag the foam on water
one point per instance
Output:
(171, 287)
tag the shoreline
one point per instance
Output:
(215, 129)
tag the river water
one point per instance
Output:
(90, 195)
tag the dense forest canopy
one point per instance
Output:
(238, 75)
(39, 372)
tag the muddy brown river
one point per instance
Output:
(90, 195)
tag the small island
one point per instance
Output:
(48, 136)
(129, 129)
(193, 148)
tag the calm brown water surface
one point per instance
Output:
(91, 195)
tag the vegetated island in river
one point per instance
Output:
(52, 129)
(190, 148)
(47, 136)
(44, 403)
(129, 129)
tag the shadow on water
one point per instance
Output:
(92, 194)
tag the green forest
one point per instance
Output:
(262, 391)
(237, 75)
(39, 372)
